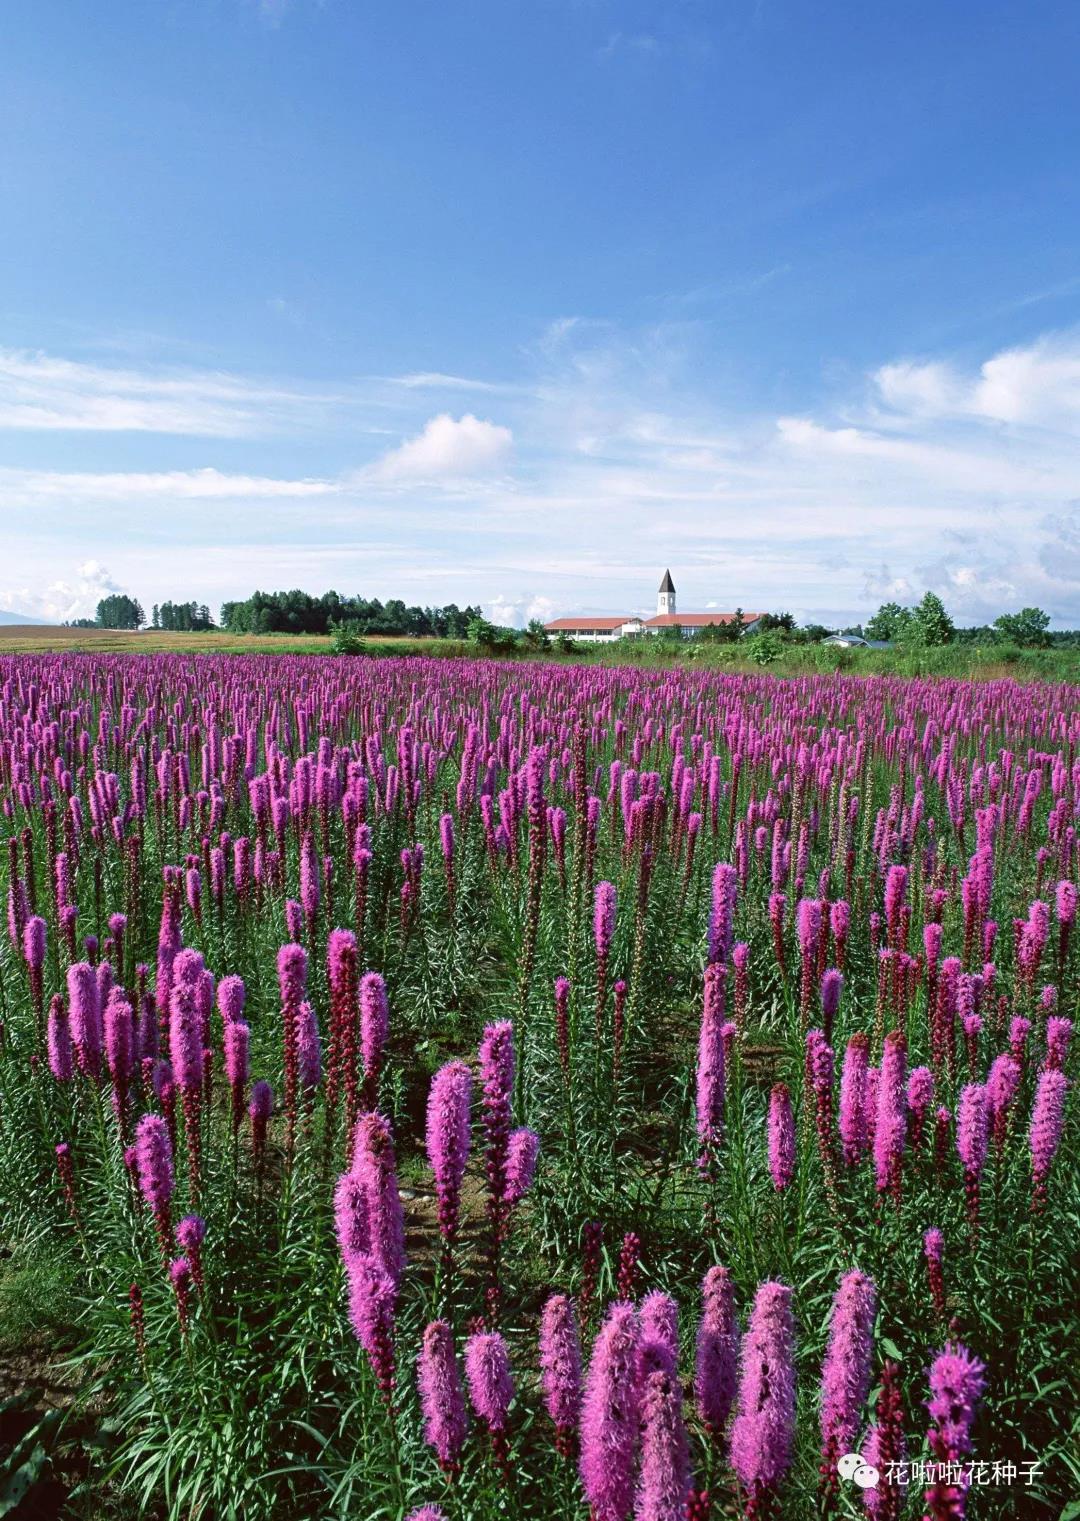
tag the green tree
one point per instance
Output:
(120, 611)
(887, 621)
(933, 623)
(535, 636)
(764, 649)
(1029, 628)
(782, 623)
(345, 639)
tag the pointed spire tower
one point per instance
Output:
(665, 597)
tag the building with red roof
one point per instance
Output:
(593, 628)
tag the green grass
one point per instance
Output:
(955, 661)
(38, 1282)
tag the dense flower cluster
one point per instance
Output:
(598, 1066)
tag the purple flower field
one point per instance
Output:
(468, 1090)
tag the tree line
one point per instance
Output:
(297, 612)
(926, 624)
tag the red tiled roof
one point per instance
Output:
(570, 624)
(696, 620)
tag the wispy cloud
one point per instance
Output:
(39, 391)
(641, 44)
(433, 380)
(206, 484)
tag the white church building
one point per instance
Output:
(594, 629)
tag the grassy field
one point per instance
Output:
(39, 639)
(957, 661)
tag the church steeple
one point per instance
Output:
(665, 597)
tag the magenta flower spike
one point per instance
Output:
(853, 1099)
(236, 1041)
(487, 1373)
(711, 1074)
(308, 1049)
(832, 985)
(664, 1480)
(154, 1170)
(446, 1422)
(374, 1027)
(34, 942)
(185, 1033)
(781, 1137)
(725, 889)
(1047, 1123)
(351, 1218)
(59, 1046)
(934, 1252)
(230, 999)
(920, 1098)
(659, 1332)
(957, 1381)
(845, 1373)
(85, 1017)
(153, 1158)
(374, 1165)
(560, 1369)
(972, 1136)
(890, 1124)
(1058, 1034)
(190, 1235)
(372, 1295)
(609, 1417)
(522, 1152)
(497, 1082)
(260, 1108)
(717, 1355)
(763, 1433)
(448, 1139)
(604, 906)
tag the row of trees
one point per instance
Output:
(118, 611)
(926, 625)
(297, 612)
(181, 617)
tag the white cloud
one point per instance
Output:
(38, 392)
(1035, 385)
(516, 612)
(62, 600)
(925, 390)
(448, 447)
(168, 485)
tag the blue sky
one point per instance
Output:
(521, 301)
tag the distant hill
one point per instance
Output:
(16, 618)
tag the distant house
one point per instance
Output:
(595, 629)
